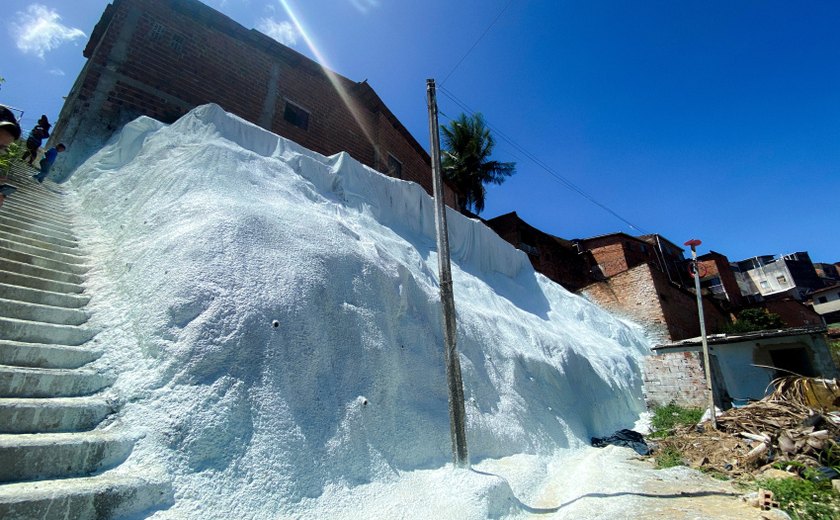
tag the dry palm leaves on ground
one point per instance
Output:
(798, 423)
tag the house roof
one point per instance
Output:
(661, 238)
(515, 217)
(830, 288)
(722, 339)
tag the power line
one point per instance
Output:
(536, 160)
(476, 42)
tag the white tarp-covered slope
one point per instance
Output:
(274, 318)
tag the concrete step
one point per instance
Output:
(28, 190)
(23, 178)
(109, 496)
(50, 382)
(35, 282)
(41, 355)
(14, 266)
(39, 200)
(43, 313)
(15, 228)
(45, 228)
(43, 252)
(39, 456)
(58, 299)
(40, 332)
(40, 261)
(53, 414)
(30, 239)
(32, 210)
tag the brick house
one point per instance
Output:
(161, 58)
(552, 256)
(718, 278)
(645, 279)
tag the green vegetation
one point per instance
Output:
(751, 320)
(666, 418)
(804, 499)
(668, 457)
(466, 160)
(12, 152)
(834, 348)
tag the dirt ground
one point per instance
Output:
(615, 483)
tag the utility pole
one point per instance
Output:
(457, 413)
(695, 272)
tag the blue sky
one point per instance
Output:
(717, 120)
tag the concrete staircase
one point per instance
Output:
(59, 452)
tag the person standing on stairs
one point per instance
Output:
(33, 142)
(9, 133)
(47, 162)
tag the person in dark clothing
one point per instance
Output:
(9, 133)
(47, 162)
(33, 142)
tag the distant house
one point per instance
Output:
(558, 259)
(791, 275)
(162, 58)
(743, 365)
(827, 303)
(718, 278)
(828, 273)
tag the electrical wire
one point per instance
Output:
(536, 160)
(476, 42)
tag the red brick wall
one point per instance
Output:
(645, 295)
(793, 312)
(718, 265)
(617, 253)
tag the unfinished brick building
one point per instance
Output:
(554, 257)
(161, 58)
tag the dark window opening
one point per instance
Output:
(296, 116)
(822, 299)
(177, 43)
(156, 33)
(791, 361)
(394, 167)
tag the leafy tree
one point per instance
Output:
(750, 320)
(466, 160)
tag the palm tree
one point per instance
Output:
(466, 160)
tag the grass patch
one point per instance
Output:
(804, 499)
(668, 457)
(666, 418)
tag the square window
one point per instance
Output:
(822, 299)
(156, 32)
(394, 167)
(782, 280)
(177, 43)
(296, 115)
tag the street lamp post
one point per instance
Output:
(695, 272)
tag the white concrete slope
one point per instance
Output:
(60, 454)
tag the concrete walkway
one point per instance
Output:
(59, 451)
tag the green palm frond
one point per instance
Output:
(466, 160)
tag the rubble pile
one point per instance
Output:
(799, 423)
